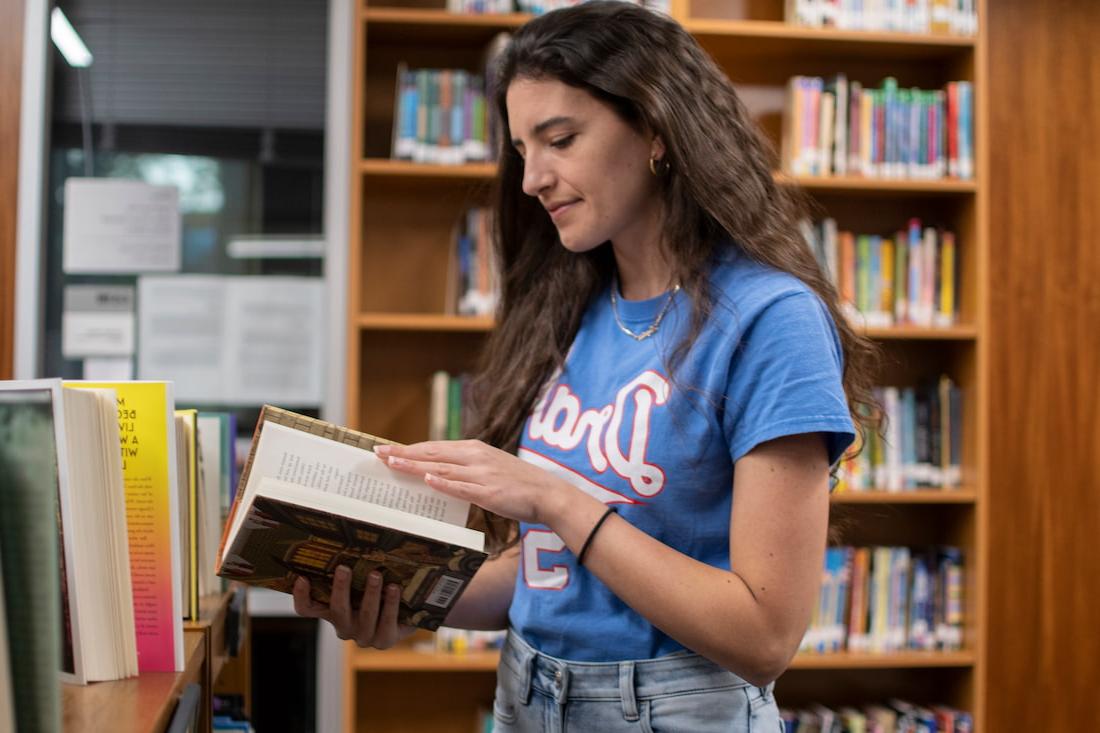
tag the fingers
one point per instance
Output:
(459, 452)
(368, 610)
(340, 603)
(303, 604)
(419, 468)
(386, 632)
(459, 489)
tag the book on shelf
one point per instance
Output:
(473, 282)
(29, 552)
(7, 702)
(893, 716)
(922, 446)
(440, 116)
(837, 126)
(145, 412)
(950, 17)
(907, 278)
(98, 627)
(887, 599)
(313, 496)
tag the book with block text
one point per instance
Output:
(313, 496)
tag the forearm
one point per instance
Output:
(708, 610)
(484, 605)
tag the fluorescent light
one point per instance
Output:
(67, 41)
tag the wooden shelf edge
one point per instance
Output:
(771, 29)
(780, 30)
(896, 660)
(387, 167)
(439, 17)
(426, 322)
(410, 660)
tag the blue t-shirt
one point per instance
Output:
(766, 365)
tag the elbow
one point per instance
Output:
(770, 661)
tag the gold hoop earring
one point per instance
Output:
(665, 166)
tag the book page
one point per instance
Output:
(308, 460)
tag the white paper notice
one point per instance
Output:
(119, 226)
(108, 369)
(307, 460)
(233, 340)
(97, 320)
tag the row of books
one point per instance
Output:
(139, 491)
(922, 446)
(448, 640)
(896, 716)
(839, 127)
(440, 116)
(472, 275)
(909, 277)
(954, 17)
(888, 599)
(448, 406)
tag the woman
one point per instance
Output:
(660, 405)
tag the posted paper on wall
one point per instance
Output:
(97, 320)
(115, 226)
(233, 340)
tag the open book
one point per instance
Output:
(313, 496)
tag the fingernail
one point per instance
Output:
(428, 478)
(343, 572)
(393, 589)
(374, 579)
(395, 461)
(382, 450)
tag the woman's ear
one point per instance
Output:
(657, 148)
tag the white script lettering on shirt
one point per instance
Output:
(558, 421)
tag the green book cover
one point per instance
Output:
(29, 552)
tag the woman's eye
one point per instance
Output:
(563, 142)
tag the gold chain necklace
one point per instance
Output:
(652, 329)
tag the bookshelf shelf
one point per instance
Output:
(402, 25)
(896, 660)
(141, 704)
(921, 333)
(910, 496)
(411, 660)
(481, 324)
(386, 168)
(424, 322)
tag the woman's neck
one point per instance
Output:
(643, 273)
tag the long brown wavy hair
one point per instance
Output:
(719, 192)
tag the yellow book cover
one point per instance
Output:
(886, 268)
(188, 463)
(148, 442)
(946, 315)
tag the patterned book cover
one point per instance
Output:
(279, 541)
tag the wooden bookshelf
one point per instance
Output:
(146, 703)
(398, 333)
(142, 704)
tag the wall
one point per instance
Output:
(1044, 596)
(11, 65)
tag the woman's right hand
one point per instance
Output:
(373, 625)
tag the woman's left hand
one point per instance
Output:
(483, 475)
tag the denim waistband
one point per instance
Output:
(565, 680)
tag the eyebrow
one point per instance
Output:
(544, 126)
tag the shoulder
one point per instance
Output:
(747, 292)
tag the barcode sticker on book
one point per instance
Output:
(444, 591)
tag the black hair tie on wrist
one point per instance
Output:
(595, 529)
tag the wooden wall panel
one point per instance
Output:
(1043, 669)
(11, 67)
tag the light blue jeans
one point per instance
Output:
(680, 693)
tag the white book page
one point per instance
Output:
(318, 463)
(372, 513)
